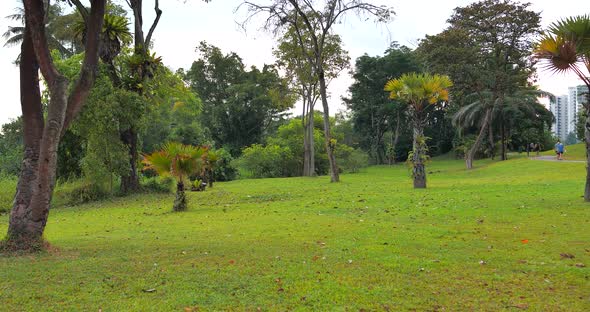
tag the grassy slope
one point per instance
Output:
(370, 242)
(572, 152)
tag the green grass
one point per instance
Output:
(369, 243)
(572, 152)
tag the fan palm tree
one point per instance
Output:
(420, 92)
(14, 35)
(487, 110)
(565, 47)
(179, 161)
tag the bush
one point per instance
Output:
(80, 192)
(269, 161)
(157, 184)
(350, 159)
(224, 168)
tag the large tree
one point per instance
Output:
(42, 132)
(294, 60)
(239, 105)
(565, 47)
(486, 51)
(318, 21)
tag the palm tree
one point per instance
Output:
(179, 161)
(420, 92)
(487, 111)
(14, 35)
(565, 47)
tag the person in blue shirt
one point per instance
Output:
(559, 149)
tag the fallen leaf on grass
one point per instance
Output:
(524, 241)
(580, 265)
(151, 290)
(522, 306)
(567, 256)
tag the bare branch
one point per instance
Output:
(148, 39)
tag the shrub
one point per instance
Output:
(224, 167)
(269, 161)
(157, 184)
(350, 159)
(81, 192)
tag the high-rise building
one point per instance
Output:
(560, 109)
(577, 98)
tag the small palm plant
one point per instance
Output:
(420, 92)
(180, 161)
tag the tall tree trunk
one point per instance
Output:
(130, 182)
(471, 153)
(307, 160)
(330, 146)
(311, 143)
(587, 141)
(41, 137)
(418, 171)
(491, 138)
(394, 138)
(21, 229)
(503, 140)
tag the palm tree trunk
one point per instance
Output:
(418, 171)
(471, 153)
(180, 201)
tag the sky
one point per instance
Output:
(185, 23)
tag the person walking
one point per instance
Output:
(559, 149)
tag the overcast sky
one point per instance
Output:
(185, 23)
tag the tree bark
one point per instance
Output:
(418, 171)
(130, 182)
(19, 230)
(587, 141)
(491, 138)
(330, 145)
(471, 153)
(504, 155)
(396, 137)
(41, 137)
(180, 200)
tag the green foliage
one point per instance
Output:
(350, 160)
(238, 105)
(11, 147)
(157, 184)
(268, 161)
(224, 169)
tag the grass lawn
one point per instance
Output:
(485, 240)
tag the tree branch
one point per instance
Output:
(90, 64)
(153, 27)
(81, 9)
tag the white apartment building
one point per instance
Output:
(576, 101)
(561, 110)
